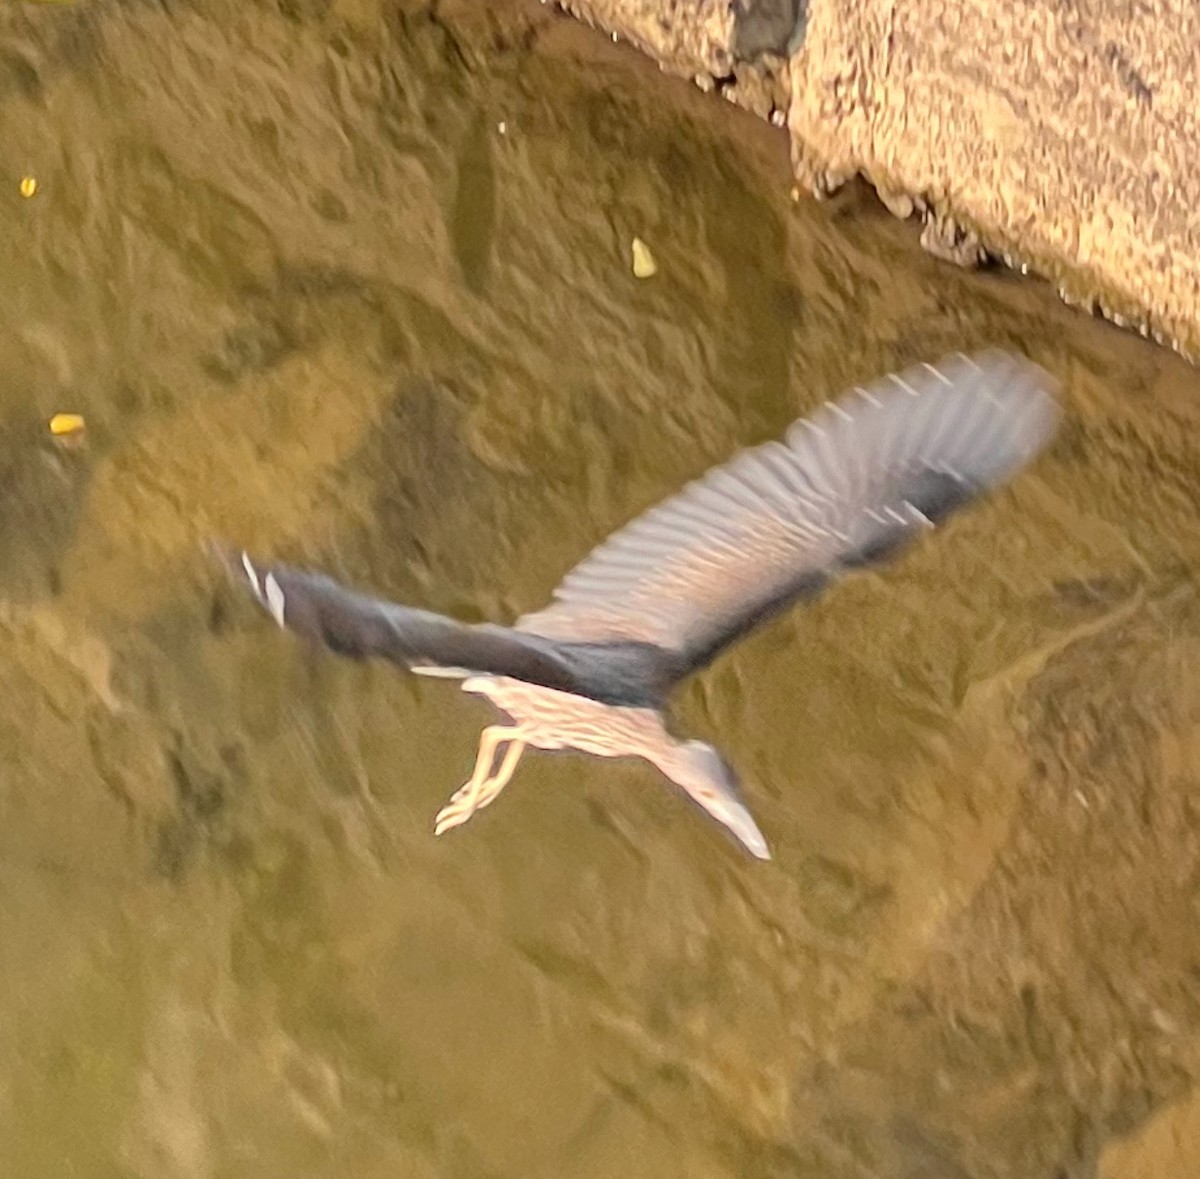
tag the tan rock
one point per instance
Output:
(1059, 138)
(1063, 137)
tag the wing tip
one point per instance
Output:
(240, 568)
(996, 363)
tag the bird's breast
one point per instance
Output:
(561, 720)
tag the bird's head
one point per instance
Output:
(711, 782)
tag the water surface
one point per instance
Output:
(348, 283)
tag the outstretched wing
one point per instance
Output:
(847, 487)
(361, 626)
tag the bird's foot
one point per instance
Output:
(462, 805)
(477, 793)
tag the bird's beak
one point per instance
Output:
(711, 784)
(741, 822)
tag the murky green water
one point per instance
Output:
(314, 300)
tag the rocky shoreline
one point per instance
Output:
(1057, 141)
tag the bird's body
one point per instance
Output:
(565, 720)
(660, 599)
(549, 719)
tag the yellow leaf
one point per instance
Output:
(644, 265)
(66, 423)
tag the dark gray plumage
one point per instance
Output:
(848, 487)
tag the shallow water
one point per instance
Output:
(313, 300)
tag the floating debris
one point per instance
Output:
(63, 425)
(29, 186)
(644, 265)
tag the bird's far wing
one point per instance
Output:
(847, 487)
(361, 626)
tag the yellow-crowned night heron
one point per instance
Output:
(846, 488)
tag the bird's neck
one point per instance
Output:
(669, 756)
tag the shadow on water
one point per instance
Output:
(312, 299)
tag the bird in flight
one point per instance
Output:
(846, 488)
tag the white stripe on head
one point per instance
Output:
(274, 598)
